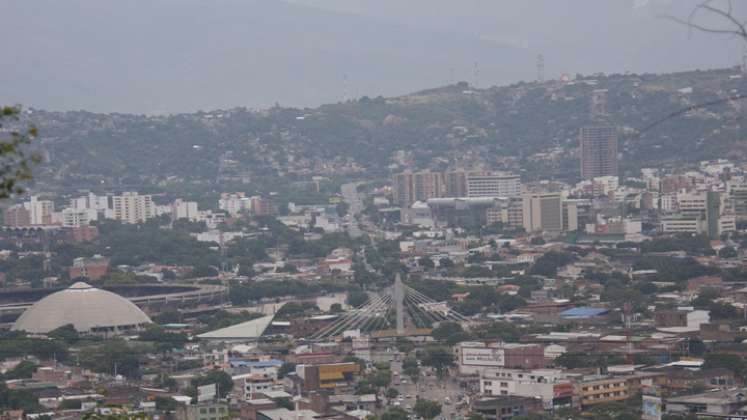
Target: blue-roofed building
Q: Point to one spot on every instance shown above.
(267, 368)
(584, 312)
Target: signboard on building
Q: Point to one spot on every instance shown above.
(562, 390)
(207, 392)
(483, 356)
(651, 408)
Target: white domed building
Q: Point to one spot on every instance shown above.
(88, 309)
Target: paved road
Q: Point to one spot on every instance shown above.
(431, 388)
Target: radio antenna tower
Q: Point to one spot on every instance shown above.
(345, 88)
(540, 68)
(476, 75)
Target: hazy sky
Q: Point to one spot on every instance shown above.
(154, 56)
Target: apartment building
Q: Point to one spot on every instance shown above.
(131, 207)
(550, 385)
(600, 389)
(598, 151)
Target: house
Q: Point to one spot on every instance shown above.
(718, 403)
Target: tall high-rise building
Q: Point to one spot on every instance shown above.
(598, 151)
(40, 211)
(738, 195)
(543, 211)
(130, 207)
(455, 183)
(410, 187)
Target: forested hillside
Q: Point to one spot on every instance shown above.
(530, 127)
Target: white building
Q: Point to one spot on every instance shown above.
(234, 203)
(74, 218)
(252, 383)
(550, 385)
(181, 209)
(493, 184)
(130, 207)
(475, 357)
(40, 211)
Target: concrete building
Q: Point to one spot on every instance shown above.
(506, 407)
(550, 385)
(131, 207)
(598, 151)
(40, 211)
(409, 187)
(234, 203)
(331, 376)
(74, 218)
(709, 212)
(601, 389)
(88, 309)
(206, 410)
(543, 211)
(720, 403)
(181, 209)
(492, 184)
(17, 216)
(91, 268)
(738, 195)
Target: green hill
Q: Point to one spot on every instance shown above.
(529, 127)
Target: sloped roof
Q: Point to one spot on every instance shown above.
(245, 330)
(583, 312)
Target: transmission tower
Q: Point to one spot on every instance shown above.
(476, 74)
(540, 68)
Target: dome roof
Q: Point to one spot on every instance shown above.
(84, 306)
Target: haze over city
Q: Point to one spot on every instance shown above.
(373, 209)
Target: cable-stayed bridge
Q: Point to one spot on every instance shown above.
(400, 309)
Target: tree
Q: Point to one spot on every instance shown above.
(537, 240)
(395, 413)
(729, 361)
(111, 357)
(547, 265)
(392, 393)
(357, 298)
(445, 262)
(66, 333)
(22, 370)
(426, 408)
(439, 358)
(727, 252)
(218, 377)
(15, 160)
(450, 332)
(165, 404)
(286, 368)
(410, 368)
(426, 263)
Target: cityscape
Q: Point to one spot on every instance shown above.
(564, 246)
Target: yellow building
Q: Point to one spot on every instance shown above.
(599, 390)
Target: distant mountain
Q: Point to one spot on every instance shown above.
(530, 128)
(164, 56)
(143, 56)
